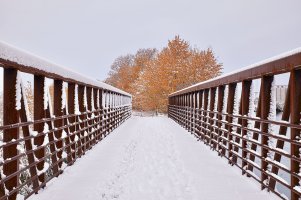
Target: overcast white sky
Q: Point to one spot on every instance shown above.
(88, 35)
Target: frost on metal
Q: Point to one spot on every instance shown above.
(85, 98)
(251, 112)
(76, 106)
(18, 91)
(225, 101)
(208, 107)
(92, 104)
(203, 107)
(92, 101)
(45, 95)
(97, 99)
(215, 107)
(272, 116)
(103, 99)
(108, 99)
(236, 106)
(63, 98)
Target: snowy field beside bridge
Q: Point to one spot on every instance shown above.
(151, 158)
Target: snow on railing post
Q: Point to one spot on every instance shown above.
(93, 116)
(295, 96)
(266, 85)
(82, 124)
(110, 110)
(237, 110)
(195, 111)
(105, 111)
(214, 120)
(72, 120)
(191, 111)
(245, 99)
(49, 125)
(25, 117)
(67, 155)
(205, 116)
(95, 106)
(220, 104)
(188, 104)
(39, 113)
(255, 134)
(88, 117)
(58, 111)
(78, 120)
(211, 115)
(101, 100)
(187, 111)
(282, 131)
(119, 110)
(200, 118)
(113, 110)
(182, 110)
(230, 108)
(10, 116)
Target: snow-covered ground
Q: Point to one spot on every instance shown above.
(151, 158)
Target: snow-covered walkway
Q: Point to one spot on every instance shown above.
(151, 158)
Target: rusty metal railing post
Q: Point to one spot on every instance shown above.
(211, 109)
(205, 117)
(88, 116)
(10, 116)
(39, 113)
(295, 108)
(266, 84)
(200, 123)
(71, 110)
(230, 107)
(82, 138)
(221, 90)
(245, 99)
(58, 111)
(195, 112)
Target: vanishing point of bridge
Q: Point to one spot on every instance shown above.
(79, 113)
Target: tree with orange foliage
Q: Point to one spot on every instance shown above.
(150, 75)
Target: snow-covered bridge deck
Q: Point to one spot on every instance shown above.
(151, 158)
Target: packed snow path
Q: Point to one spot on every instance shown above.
(151, 158)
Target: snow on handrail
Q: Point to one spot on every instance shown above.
(252, 68)
(28, 62)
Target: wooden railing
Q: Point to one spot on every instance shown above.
(79, 113)
(223, 113)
